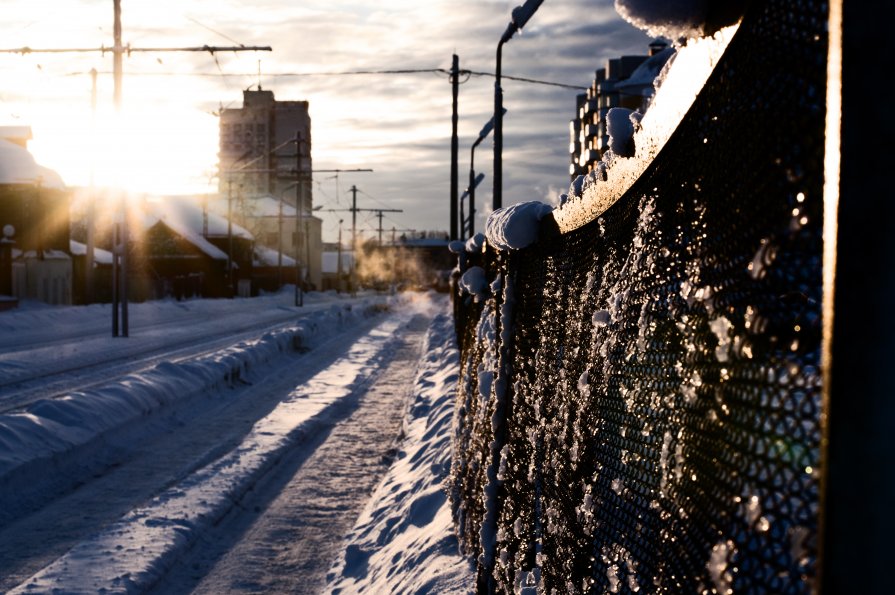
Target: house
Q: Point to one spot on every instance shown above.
(34, 214)
(273, 224)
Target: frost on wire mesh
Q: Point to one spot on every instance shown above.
(663, 394)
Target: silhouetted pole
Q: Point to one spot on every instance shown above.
(455, 84)
(520, 16)
(339, 261)
(497, 199)
(230, 235)
(115, 240)
(354, 218)
(299, 294)
(859, 335)
(473, 179)
(125, 324)
(117, 54)
(280, 244)
(91, 204)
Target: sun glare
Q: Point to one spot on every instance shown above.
(143, 148)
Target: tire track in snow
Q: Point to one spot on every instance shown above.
(180, 447)
(287, 544)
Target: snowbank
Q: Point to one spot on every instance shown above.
(403, 541)
(133, 553)
(47, 433)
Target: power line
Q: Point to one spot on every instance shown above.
(528, 80)
(347, 73)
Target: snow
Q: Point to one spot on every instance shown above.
(676, 19)
(403, 540)
(621, 131)
(100, 256)
(516, 226)
(644, 75)
(475, 243)
(17, 166)
(679, 82)
(137, 549)
(475, 283)
(270, 258)
(186, 216)
(457, 247)
(407, 519)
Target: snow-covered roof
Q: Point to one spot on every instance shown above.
(265, 257)
(100, 256)
(47, 254)
(257, 206)
(196, 239)
(185, 212)
(151, 216)
(644, 75)
(17, 166)
(16, 133)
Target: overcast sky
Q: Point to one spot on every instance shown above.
(399, 125)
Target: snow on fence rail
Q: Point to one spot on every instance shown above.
(640, 402)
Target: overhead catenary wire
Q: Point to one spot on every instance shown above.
(441, 71)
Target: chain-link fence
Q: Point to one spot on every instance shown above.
(640, 403)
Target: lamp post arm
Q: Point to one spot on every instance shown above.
(497, 199)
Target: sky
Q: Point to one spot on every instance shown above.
(165, 139)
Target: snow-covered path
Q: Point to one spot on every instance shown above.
(289, 547)
(133, 465)
(241, 469)
(46, 353)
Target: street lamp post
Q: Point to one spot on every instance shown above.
(520, 16)
(473, 180)
(468, 224)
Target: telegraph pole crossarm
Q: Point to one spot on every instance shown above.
(118, 50)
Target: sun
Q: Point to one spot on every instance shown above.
(156, 149)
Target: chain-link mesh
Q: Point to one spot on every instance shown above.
(662, 388)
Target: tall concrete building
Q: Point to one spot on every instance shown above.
(258, 152)
(624, 82)
(261, 162)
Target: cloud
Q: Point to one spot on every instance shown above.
(399, 125)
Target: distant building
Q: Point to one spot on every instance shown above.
(260, 162)
(624, 82)
(34, 224)
(258, 155)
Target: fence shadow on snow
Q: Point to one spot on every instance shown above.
(640, 403)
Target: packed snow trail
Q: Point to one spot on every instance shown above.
(286, 544)
(49, 352)
(134, 552)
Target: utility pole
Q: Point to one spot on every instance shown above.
(117, 55)
(91, 205)
(455, 88)
(339, 261)
(354, 219)
(299, 214)
(118, 50)
(380, 214)
(354, 211)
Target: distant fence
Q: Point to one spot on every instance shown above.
(640, 401)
